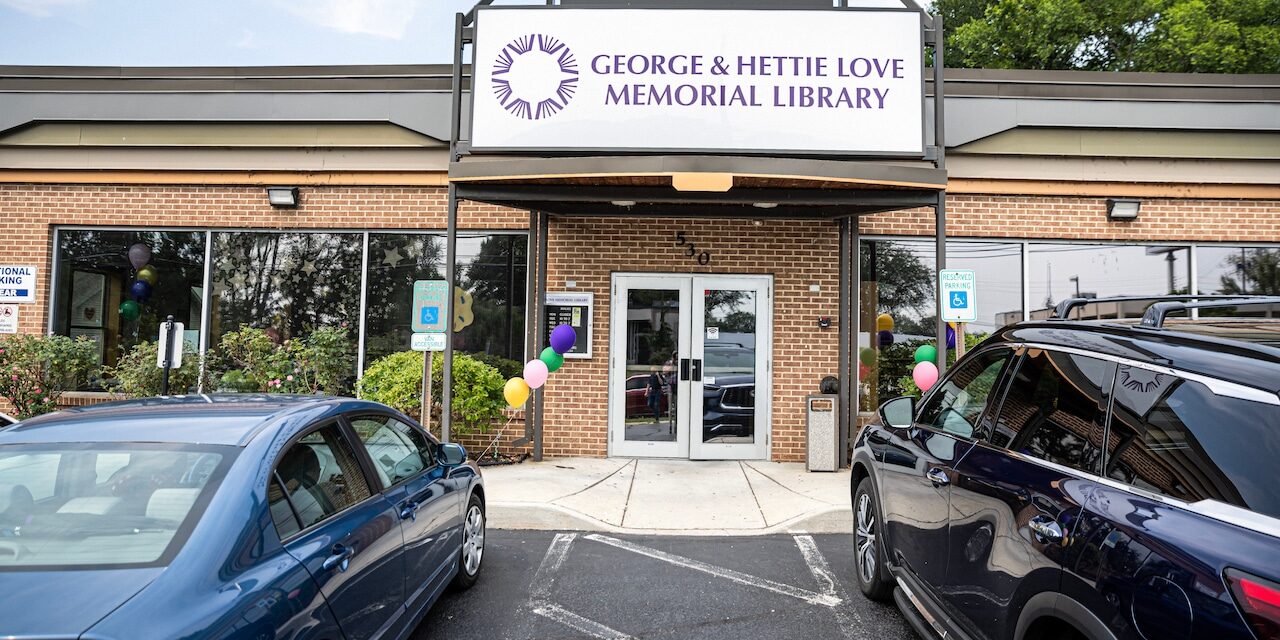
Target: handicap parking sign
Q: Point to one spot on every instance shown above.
(429, 315)
(959, 299)
(960, 288)
(428, 306)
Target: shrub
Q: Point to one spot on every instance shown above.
(396, 381)
(506, 367)
(320, 362)
(137, 376)
(36, 370)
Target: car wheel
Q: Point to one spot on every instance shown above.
(868, 556)
(471, 554)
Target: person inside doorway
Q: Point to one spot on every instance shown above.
(653, 393)
(671, 378)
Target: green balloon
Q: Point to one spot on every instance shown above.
(552, 359)
(926, 353)
(867, 356)
(129, 310)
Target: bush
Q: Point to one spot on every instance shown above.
(36, 370)
(506, 367)
(396, 381)
(137, 376)
(321, 362)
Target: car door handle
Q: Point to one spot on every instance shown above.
(340, 557)
(938, 477)
(1045, 529)
(409, 511)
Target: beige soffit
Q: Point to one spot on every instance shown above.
(1129, 143)
(217, 134)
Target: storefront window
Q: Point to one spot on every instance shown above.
(285, 283)
(1061, 271)
(1236, 271)
(490, 269)
(116, 287)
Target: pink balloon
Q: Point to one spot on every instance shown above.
(535, 373)
(925, 374)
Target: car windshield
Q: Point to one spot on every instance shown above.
(100, 504)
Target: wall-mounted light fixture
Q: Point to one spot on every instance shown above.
(1123, 208)
(624, 203)
(282, 196)
(765, 205)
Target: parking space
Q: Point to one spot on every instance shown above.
(540, 584)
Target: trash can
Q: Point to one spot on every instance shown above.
(822, 432)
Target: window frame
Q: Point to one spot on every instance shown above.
(344, 431)
(997, 394)
(363, 453)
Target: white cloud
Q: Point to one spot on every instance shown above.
(39, 8)
(248, 40)
(383, 18)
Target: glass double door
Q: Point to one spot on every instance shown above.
(690, 366)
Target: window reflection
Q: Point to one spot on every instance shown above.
(1061, 271)
(1239, 270)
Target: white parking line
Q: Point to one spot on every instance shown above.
(847, 617)
(556, 553)
(579, 623)
(824, 599)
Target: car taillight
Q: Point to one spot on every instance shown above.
(1259, 601)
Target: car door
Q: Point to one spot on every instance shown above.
(916, 469)
(1017, 495)
(405, 459)
(346, 534)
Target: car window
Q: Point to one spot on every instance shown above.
(1174, 437)
(1055, 409)
(398, 450)
(960, 400)
(637, 382)
(321, 477)
(36, 472)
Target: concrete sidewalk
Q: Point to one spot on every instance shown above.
(672, 497)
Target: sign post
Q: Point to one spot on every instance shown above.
(429, 327)
(166, 357)
(959, 291)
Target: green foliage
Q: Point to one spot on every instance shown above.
(137, 376)
(36, 370)
(1207, 36)
(506, 367)
(320, 362)
(396, 380)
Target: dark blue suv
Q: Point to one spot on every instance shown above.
(1094, 480)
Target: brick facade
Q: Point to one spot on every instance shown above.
(589, 250)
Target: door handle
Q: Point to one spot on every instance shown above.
(696, 376)
(938, 477)
(684, 368)
(1045, 529)
(340, 558)
(409, 511)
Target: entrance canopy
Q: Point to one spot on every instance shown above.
(699, 109)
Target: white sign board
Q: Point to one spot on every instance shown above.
(959, 290)
(9, 318)
(163, 348)
(17, 283)
(427, 342)
(844, 82)
(573, 308)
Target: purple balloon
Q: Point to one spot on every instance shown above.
(562, 338)
(139, 255)
(886, 338)
(140, 290)
(951, 338)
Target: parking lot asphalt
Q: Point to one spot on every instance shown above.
(546, 584)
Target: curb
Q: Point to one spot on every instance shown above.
(553, 517)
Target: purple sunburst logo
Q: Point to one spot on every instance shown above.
(535, 76)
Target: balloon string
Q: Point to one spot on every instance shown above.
(510, 419)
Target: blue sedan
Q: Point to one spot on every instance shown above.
(231, 517)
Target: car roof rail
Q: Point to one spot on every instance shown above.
(1064, 308)
(1155, 315)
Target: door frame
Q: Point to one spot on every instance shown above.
(617, 446)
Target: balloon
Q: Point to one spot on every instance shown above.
(884, 322)
(926, 353)
(925, 375)
(867, 356)
(552, 359)
(149, 274)
(535, 373)
(129, 310)
(516, 391)
(562, 338)
(139, 255)
(140, 290)
(886, 338)
(951, 338)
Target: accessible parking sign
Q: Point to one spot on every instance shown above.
(429, 306)
(959, 291)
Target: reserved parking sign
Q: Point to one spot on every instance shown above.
(959, 290)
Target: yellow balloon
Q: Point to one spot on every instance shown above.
(516, 391)
(149, 274)
(884, 322)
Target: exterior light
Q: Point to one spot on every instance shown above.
(765, 205)
(1123, 208)
(282, 196)
(624, 203)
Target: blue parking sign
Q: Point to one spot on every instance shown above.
(429, 300)
(430, 315)
(959, 299)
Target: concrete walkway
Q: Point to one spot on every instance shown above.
(668, 497)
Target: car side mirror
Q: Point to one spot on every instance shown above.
(452, 454)
(898, 413)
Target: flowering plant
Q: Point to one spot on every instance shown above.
(322, 361)
(35, 370)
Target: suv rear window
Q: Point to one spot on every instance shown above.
(1175, 437)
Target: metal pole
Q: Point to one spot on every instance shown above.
(168, 355)
(940, 209)
(450, 269)
(855, 324)
(428, 359)
(847, 380)
(544, 229)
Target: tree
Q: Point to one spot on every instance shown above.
(1260, 269)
